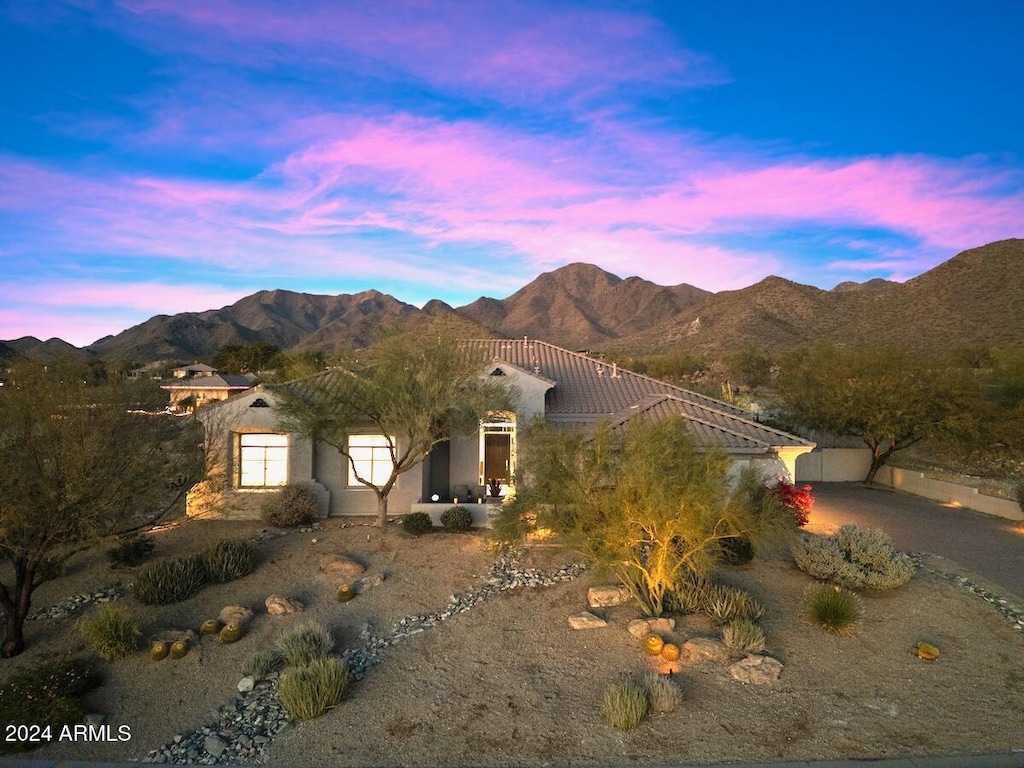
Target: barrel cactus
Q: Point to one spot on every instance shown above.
(179, 648)
(159, 649)
(231, 633)
(209, 627)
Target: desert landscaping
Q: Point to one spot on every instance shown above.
(468, 663)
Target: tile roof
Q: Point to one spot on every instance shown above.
(215, 381)
(588, 390)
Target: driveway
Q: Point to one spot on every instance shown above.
(990, 546)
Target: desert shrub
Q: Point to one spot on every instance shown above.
(170, 581)
(310, 690)
(292, 505)
(736, 550)
(417, 523)
(47, 694)
(625, 705)
(229, 560)
(797, 499)
(743, 636)
(663, 695)
(686, 596)
(130, 551)
(457, 519)
(304, 643)
(262, 663)
(855, 558)
(832, 608)
(724, 604)
(110, 630)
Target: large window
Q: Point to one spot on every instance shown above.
(371, 459)
(262, 460)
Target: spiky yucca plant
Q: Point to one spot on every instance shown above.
(229, 560)
(743, 636)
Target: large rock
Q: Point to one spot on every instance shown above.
(756, 670)
(607, 597)
(705, 649)
(586, 620)
(235, 614)
(342, 565)
(282, 606)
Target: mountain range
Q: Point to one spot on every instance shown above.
(975, 298)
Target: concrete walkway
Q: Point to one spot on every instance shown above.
(989, 546)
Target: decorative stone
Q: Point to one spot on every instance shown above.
(235, 614)
(756, 670)
(341, 565)
(607, 597)
(369, 582)
(640, 628)
(586, 620)
(246, 684)
(705, 649)
(215, 746)
(282, 606)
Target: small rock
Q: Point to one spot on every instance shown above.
(607, 597)
(95, 719)
(215, 746)
(235, 614)
(586, 620)
(246, 684)
(282, 606)
(369, 582)
(756, 670)
(705, 649)
(341, 565)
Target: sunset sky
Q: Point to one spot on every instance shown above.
(161, 156)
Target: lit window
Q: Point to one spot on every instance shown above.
(262, 460)
(371, 459)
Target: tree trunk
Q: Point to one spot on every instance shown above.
(16, 611)
(878, 458)
(382, 510)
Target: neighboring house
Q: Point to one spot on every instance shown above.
(250, 454)
(197, 385)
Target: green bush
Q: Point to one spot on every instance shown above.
(262, 663)
(304, 643)
(310, 690)
(724, 604)
(47, 694)
(663, 695)
(417, 523)
(457, 519)
(229, 560)
(292, 505)
(686, 597)
(832, 608)
(625, 705)
(856, 558)
(743, 636)
(110, 630)
(130, 551)
(170, 581)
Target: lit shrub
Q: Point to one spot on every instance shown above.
(130, 551)
(229, 560)
(310, 690)
(110, 630)
(170, 581)
(292, 505)
(417, 523)
(832, 608)
(457, 519)
(856, 558)
(304, 643)
(625, 705)
(743, 636)
(663, 695)
(797, 499)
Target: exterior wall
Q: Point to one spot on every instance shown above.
(531, 391)
(833, 465)
(482, 513)
(465, 466)
(332, 472)
(948, 493)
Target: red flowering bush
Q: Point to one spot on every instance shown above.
(797, 499)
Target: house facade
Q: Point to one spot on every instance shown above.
(251, 455)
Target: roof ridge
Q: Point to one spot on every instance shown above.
(657, 399)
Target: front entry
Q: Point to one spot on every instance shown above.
(497, 457)
(498, 453)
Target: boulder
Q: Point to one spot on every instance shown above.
(607, 597)
(235, 614)
(341, 565)
(756, 670)
(282, 606)
(705, 649)
(586, 620)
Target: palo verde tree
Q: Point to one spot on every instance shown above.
(413, 391)
(78, 462)
(890, 399)
(644, 502)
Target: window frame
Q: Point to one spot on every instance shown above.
(374, 459)
(272, 459)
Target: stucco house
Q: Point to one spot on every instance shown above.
(194, 386)
(252, 455)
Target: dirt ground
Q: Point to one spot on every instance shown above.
(509, 683)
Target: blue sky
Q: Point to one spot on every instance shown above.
(160, 156)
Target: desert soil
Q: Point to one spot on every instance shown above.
(509, 683)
